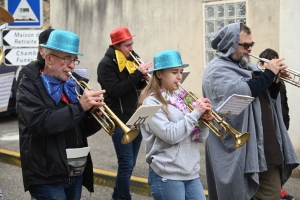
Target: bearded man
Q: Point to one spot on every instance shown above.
(259, 168)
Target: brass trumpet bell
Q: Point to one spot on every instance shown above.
(240, 139)
(1, 55)
(110, 120)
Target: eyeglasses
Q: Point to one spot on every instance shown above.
(246, 45)
(67, 60)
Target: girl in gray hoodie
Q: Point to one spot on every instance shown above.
(171, 136)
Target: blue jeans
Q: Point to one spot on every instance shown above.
(70, 190)
(162, 188)
(126, 154)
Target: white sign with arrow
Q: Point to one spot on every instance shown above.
(21, 38)
(20, 56)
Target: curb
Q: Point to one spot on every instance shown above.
(102, 177)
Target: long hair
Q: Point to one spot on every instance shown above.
(153, 86)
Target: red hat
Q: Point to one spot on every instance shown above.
(119, 35)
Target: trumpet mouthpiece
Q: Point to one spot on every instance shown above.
(70, 73)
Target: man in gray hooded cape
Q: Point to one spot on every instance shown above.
(238, 173)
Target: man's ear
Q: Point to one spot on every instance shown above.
(117, 46)
(48, 58)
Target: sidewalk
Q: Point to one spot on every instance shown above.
(105, 162)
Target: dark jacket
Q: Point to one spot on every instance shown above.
(284, 106)
(45, 128)
(122, 88)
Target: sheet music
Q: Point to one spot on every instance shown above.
(6, 81)
(235, 104)
(81, 72)
(78, 152)
(184, 75)
(143, 114)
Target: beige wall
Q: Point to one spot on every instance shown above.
(289, 49)
(175, 24)
(158, 26)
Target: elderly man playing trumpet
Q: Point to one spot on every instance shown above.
(52, 120)
(258, 169)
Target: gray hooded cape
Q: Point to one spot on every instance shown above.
(233, 173)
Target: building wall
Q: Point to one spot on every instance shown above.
(289, 45)
(170, 24)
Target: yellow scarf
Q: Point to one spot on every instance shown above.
(123, 62)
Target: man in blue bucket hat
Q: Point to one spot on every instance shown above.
(52, 119)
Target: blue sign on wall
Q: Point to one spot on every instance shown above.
(27, 13)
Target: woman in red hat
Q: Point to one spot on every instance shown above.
(123, 80)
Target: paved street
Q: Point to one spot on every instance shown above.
(103, 156)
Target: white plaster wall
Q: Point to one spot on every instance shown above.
(289, 49)
(158, 25)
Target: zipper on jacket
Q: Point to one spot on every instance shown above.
(121, 105)
(77, 136)
(136, 91)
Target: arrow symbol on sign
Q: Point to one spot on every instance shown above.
(21, 38)
(20, 56)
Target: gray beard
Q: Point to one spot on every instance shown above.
(243, 62)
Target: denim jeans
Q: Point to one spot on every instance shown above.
(70, 190)
(162, 188)
(126, 155)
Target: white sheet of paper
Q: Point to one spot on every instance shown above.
(184, 75)
(143, 114)
(81, 71)
(235, 104)
(78, 152)
(6, 81)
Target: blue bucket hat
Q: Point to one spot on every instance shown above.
(167, 59)
(64, 41)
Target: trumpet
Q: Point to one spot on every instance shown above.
(295, 74)
(240, 139)
(138, 61)
(1, 54)
(110, 120)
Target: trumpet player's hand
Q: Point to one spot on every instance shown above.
(207, 116)
(203, 104)
(91, 98)
(144, 68)
(276, 66)
(285, 74)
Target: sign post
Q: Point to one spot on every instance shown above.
(27, 13)
(21, 38)
(20, 56)
(21, 46)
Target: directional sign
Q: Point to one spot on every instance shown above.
(21, 38)
(20, 56)
(27, 13)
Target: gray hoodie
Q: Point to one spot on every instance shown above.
(169, 146)
(233, 173)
